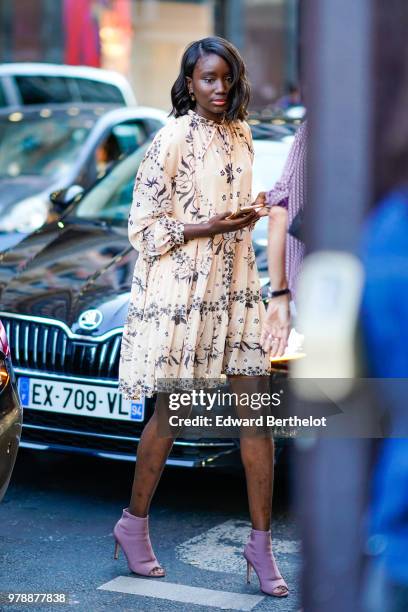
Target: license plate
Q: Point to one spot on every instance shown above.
(78, 399)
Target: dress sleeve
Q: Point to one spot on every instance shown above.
(279, 194)
(152, 227)
(247, 135)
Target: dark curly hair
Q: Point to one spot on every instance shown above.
(239, 93)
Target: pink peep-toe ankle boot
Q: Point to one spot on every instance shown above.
(258, 554)
(131, 533)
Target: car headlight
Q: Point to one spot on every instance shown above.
(4, 373)
(26, 216)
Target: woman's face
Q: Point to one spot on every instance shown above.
(211, 83)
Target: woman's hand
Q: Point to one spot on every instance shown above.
(260, 199)
(260, 202)
(276, 327)
(219, 224)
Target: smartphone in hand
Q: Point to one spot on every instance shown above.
(242, 212)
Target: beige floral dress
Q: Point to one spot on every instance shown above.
(195, 309)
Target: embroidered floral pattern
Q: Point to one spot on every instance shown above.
(195, 310)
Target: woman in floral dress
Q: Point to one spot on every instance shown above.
(195, 309)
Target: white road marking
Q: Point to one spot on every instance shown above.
(220, 548)
(171, 591)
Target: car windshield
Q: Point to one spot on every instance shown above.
(110, 199)
(44, 144)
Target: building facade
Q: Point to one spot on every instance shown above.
(144, 39)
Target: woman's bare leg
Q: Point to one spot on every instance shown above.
(154, 447)
(257, 454)
(152, 454)
(257, 458)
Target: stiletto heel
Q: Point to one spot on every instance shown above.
(249, 570)
(131, 534)
(259, 556)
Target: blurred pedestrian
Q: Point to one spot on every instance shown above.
(285, 203)
(291, 98)
(196, 311)
(385, 307)
(385, 322)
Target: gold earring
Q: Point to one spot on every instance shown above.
(192, 96)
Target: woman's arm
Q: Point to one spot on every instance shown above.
(152, 228)
(276, 327)
(279, 193)
(277, 232)
(219, 224)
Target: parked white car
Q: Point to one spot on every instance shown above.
(41, 83)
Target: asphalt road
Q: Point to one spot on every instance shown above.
(56, 536)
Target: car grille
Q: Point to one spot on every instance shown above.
(47, 347)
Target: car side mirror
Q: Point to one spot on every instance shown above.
(62, 198)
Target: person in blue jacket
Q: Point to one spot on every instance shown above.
(385, 323)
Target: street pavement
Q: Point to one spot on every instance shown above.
(56, 536)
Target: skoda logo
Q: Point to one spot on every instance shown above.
(90, 319)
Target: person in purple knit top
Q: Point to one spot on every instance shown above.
(284, 204)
